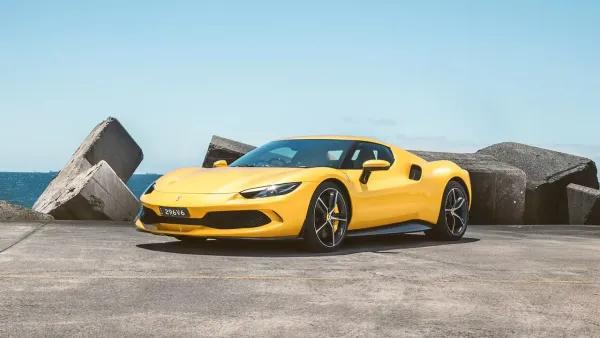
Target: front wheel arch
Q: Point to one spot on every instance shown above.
(332, 182)
(346, 193)
(344, 189)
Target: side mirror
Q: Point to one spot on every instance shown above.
(370, 166)
(219, 164)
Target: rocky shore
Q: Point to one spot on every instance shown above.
(512, 183)
(10, 212)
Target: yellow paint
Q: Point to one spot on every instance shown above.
(376, 164)
(388, 197)
(220, 163)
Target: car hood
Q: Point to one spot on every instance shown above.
(225, 179)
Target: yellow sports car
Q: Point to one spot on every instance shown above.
(318, 188)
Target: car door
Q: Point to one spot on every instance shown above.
(387, 197)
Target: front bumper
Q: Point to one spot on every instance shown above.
(285, 214)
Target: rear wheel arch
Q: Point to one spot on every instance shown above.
(451, 173)
(442, 230)
(464, 185)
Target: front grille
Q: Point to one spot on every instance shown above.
(215, 219)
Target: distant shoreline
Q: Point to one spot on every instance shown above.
(56, 172)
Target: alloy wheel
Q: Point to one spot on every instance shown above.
(456, 211)
(330, 217)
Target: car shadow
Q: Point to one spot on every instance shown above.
(294, 248)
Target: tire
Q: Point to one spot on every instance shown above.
(318, 227)
(453, 219)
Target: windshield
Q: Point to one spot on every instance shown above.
(309, 153)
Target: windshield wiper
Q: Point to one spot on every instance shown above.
(245, 165)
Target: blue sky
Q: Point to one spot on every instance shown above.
(434, 75)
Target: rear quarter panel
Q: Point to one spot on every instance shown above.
(435, 177)
(428, 191)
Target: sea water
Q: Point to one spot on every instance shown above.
(24, 188)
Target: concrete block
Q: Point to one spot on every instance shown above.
(96, 194)
(221, 148)
(109, 142)
(12, 212)
(584, 205)
(498, 188)
(548, 174)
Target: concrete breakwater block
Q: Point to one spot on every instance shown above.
(109, 142)
(498, 188)
(13, 212)
(584, 205)
(96, 194)
(221, 148)
(548, 174)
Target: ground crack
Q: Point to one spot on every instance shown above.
(24, 237)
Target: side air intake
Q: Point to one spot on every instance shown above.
(415, 172)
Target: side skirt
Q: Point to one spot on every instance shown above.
(396, 228)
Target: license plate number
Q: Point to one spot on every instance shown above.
(174, 212)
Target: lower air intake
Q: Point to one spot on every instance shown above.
(235, 219)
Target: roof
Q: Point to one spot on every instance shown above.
(333, 137)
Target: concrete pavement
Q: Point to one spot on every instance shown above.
(93, 279)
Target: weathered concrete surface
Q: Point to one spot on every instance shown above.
(221, 148)
(90, 279)
(548, 174)
(12, 233)
(13, 212)
(108, 141)
(584, 205)
(498, 188)
(97, 194)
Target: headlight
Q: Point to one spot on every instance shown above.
(271, 190)
(149, 189)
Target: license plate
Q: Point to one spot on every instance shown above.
(174, 212)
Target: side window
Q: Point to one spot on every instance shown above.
(369, 151)
(383, 153)
(334, 155)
